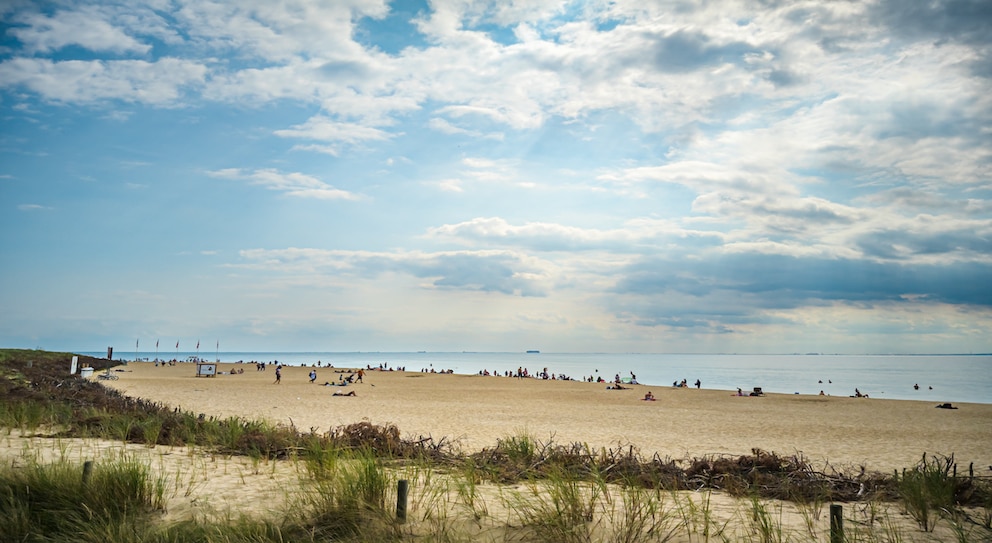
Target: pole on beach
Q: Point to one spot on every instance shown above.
(402, 489)
(836, 523)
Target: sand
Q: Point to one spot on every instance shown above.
(474, 411)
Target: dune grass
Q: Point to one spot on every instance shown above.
(49, 502)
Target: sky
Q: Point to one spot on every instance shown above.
(569, 176)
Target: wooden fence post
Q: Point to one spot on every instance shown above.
(402, 489)
(87, 471)
(836, 523)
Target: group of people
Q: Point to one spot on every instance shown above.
(685, 384)
(354, 377)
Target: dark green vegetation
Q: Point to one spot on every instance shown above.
(570, 492)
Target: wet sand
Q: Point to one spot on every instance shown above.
(474, 411)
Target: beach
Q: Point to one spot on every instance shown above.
(474, 411)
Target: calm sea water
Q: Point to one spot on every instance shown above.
(953, 378)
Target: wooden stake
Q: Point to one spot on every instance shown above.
(402, 489)
(836, 523)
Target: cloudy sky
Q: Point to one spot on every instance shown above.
(610, 176)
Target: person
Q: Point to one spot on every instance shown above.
(739, 391)
(822, 394)
(698, 383)
(278, 375)
(349, 393)
(313, 376)
(649, 397)
(361, 373)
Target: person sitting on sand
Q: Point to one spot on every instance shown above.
(649, 397)
(350, 393)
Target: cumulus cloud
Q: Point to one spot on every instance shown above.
(78, 81)
(86, 27)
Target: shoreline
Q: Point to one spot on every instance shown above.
(475, 411)
(926, 378)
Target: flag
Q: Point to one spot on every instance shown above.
(156, 344)
(218, 344)
(177, 344)
(136, 344)
(197, 345)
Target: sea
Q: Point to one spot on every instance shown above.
(931, 378)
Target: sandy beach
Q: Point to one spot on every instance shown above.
(474, 411)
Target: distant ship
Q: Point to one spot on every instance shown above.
(534, 352)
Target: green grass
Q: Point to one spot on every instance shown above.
(45, 502)
(928, 491)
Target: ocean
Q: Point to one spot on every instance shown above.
(941, 378)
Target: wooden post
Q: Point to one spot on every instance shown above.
(402, 489)
(971, 470)
(87, 471)
(836, 523)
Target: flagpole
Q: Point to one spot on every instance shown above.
(217, 353)
(136, 349)
(156, 350)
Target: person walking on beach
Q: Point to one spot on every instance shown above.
(278, 375)
(313, 376)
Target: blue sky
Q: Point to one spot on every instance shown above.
(615, 176)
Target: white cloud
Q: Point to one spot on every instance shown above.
(445, 127)
(322, 128)
(77, 81)
(447, 185)
(636, 236)
(292, 184)
(87, 27)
